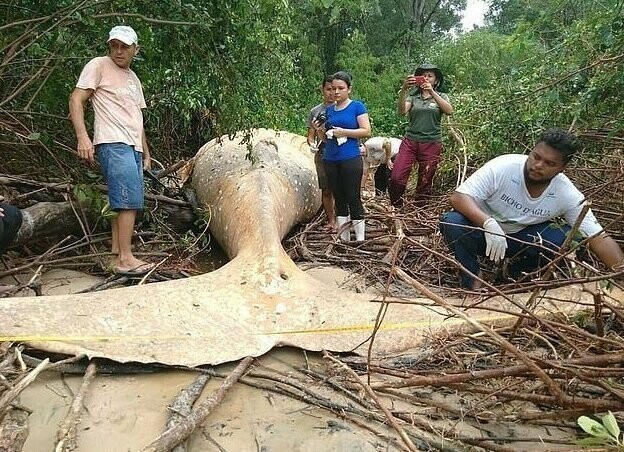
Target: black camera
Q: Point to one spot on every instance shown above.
(321, 118)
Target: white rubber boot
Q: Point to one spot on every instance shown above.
(360, 227)
(345, 235)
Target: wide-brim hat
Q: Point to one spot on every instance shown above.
(424, 67)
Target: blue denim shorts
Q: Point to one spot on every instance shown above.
(122, 168)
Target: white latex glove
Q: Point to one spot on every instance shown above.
(340, 140)
(496, 243)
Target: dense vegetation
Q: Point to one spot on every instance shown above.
(210, 68)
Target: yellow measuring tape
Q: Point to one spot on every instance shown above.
(340, 329)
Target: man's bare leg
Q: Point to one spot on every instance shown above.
(124, 228)
(115, 237)
(327, 199)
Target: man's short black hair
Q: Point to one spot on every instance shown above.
(564, 142)
(327, 79)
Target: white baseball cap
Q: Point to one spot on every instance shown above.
(123, 33)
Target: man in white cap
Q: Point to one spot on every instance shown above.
(118, 137)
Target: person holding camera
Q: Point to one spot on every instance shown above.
(316, 119)
(422, 143)
(347, 122)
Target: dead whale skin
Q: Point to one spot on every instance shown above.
(258, 187)
(259, 300)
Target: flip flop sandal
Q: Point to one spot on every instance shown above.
(141, 270)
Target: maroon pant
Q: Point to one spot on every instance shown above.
(427, 154)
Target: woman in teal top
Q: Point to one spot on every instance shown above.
(422, 142)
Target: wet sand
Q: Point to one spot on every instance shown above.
(125, 413)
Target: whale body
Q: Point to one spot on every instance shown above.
(255, 187)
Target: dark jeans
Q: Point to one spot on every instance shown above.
(467, 244)
(9, 225)
(345, 177)
(382, 176)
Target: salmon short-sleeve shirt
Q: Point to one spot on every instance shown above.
(117, 102)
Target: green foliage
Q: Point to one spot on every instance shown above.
(212, 68)
(94, 200)
(552, 67)
(374, 82)
(603, 433)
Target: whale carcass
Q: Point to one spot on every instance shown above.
(257, 187)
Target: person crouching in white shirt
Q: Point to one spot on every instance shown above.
(507, 208)
(378, 161)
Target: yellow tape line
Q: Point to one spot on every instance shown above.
(344, 329)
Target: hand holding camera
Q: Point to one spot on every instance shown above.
(419, 80)
(320, 121)
(413, 81)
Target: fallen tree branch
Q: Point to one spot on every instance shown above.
(393, 422)
(66, 435)
(505, 344)
(174, 436)
(15, 391)
(182, 406)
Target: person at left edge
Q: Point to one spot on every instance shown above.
(118, 137)
(10, 222)
(347, 122)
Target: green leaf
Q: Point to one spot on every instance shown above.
(33, 136)
(611, 424)
(107, 212)
(590, 441)
(593, 427)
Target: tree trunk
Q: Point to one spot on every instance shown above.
(45, 220)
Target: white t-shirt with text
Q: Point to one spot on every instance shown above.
(500, 190)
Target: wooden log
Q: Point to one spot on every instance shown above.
(57, 219)
(172, 437)
(182, 406)
(13, 430)
(66, 434)
(46, 220)
(10, 395)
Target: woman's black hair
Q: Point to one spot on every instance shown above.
(344, 76)
(566, 143)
